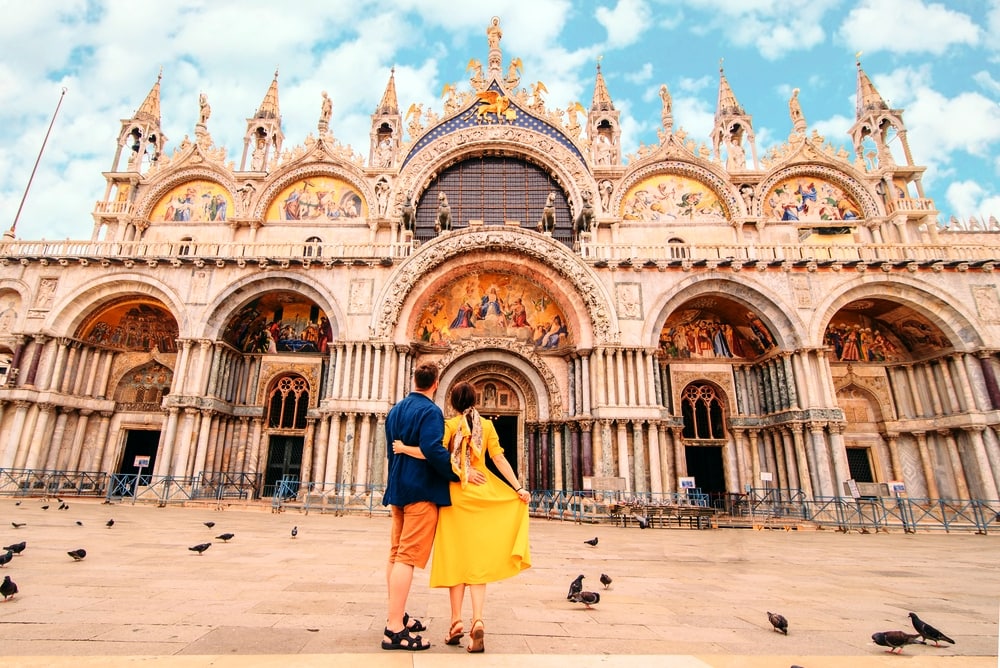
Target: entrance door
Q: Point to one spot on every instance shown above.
(704, 463)
(506, 426)
(139, 443)
(284, 458)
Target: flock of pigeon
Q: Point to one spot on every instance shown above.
(8, 588)
(894, 640)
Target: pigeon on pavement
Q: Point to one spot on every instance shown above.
(605, 580)
(210, 524)
(6, 557)
(643, 521)
(77, 554)
(79, 523)
(45, 507)
(18, 525)
(575, 587)
(778, 622)
(225, 537)
(8, 587)
(928, 632)
(295, 531)
(17, 548)
(592, 541)
(895, 640)
(201, 547)
(588, 598)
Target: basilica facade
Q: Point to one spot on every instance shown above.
(696, 314)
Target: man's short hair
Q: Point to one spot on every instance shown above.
(424, 376)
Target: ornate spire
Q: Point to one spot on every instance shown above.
(389, 103)
(149, 110)
(269, 107)
(727, 105)
(602, 100)
(868, 98)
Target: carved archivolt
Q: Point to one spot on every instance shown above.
(722, 189)
(510, 376)
(509, 241)
(269, 371)
(566, 166)
(522, 350)
(876, 386)
(869, 207)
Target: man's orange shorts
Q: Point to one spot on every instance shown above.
(413, 527)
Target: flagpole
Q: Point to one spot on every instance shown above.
(13, 227)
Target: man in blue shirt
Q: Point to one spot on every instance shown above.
(414, 490)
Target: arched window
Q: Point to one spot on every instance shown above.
(185, 246)
(677, 252)
(702, 411)
(288, 403)
(313, 247)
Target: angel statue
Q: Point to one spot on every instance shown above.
(513, 73)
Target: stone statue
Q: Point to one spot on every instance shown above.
(548, 221)
(494, 33)
(409, 214)
(443, 221)
(585, 220)
(666, 114)
(325, 110)
(795, 111)
(204, 109)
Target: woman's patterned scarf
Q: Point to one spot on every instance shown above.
(465, 442)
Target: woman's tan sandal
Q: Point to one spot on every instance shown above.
(478, 631)
(455, 633)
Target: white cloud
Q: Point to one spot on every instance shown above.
(642, 75)
(625, 23)
(907, 26)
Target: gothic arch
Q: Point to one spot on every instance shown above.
(398, 290)
(718, 185)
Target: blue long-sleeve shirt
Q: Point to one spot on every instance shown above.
(416, 420)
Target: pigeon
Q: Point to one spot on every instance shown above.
(588, 598)
(200, 548)
(6, 557)
(575, 587)
(17, 525)
(778, 622)
(110, 523)
(605, 580)
(17, 548)
(592, 541)
(79, 523)
(210, 524)
(642, 520)
(895, 639)
(45, 507)
(77, 554)
(295, 532)
(17, 503)
(928, 632)
(8, 587)
(225, 537)
(63, 506)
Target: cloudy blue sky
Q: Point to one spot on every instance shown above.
(936, 60)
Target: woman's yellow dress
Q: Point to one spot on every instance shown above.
(483, 535)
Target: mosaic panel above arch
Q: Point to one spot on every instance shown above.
(194, 201)
(131, 324)
(317, 197)
(880, 330)
(279, 321)
(809, 198)
(492, 304)
(712, 327)
(671, 197)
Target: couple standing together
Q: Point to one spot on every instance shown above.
(441, 495)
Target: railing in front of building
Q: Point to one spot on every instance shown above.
(636, 255)
(759, 508)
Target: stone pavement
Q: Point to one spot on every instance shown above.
(680, 597)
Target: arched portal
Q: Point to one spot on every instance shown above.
(286, 404)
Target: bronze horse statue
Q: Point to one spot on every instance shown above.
(443, 221)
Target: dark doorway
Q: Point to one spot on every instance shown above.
(284, 458)
(704, 463)
(506, 426)
(139, 443)
(860, 464)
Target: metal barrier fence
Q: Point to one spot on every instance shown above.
(865, 514)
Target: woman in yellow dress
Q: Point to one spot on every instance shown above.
(483, 535)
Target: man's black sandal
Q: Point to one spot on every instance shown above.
(403, 640)
(417, 626)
